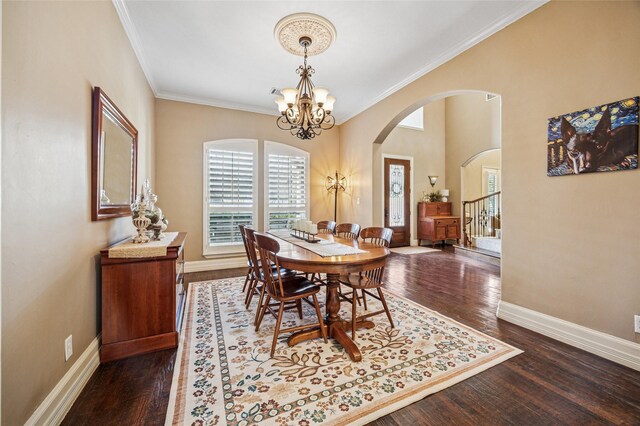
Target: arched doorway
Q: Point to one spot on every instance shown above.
(481, 185)
(456, 125)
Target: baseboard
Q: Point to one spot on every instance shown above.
(605, 345)
(215, 264)
(59, 401)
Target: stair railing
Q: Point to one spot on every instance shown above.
(481, 217)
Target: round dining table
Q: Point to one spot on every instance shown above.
(293, 256)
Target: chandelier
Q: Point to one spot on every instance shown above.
(306, 110)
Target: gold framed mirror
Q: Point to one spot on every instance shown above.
(114, 160)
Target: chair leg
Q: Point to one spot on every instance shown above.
(246, 280)
(319, 314)
(263, 309)
(364, 299)
(353, 316)
(386, 308)
(299, 306)
(250, 291)
(277, 330)
(255, 320)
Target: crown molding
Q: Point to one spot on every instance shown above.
(134, 40)
(487, 32)
(216, 103)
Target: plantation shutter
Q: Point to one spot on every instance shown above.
(287, 189)
(230, 195)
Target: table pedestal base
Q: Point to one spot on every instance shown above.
(337, 328)
(339, 331)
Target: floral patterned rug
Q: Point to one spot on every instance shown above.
(224, 376)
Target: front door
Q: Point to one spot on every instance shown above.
(397, 202)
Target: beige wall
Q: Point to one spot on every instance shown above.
(471, 174)
(427, 149)
(472, 126)
(53, 54)
(181, 130)
(572, 242)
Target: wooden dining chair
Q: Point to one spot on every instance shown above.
(368, 281)
(326, 227)
(282, 290)
(257, 285)
(348, 230)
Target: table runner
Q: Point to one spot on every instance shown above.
(128, 249)
(323, 248)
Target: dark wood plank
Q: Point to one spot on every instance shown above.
(551, 383)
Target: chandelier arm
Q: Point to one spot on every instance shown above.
(281, 122)
(328, 122)
(320, 115)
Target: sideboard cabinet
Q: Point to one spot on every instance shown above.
(142, 302)
(435, 223)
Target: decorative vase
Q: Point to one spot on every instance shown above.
(145, 205)
(141, 222)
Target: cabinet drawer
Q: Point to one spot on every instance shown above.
(446, 222)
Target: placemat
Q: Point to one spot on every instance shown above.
(128, 249)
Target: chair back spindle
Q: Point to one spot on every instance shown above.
(348, 230)
(326, 227)
(267, 249)
(378, 236)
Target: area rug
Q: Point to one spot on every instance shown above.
(223, 374)
(414, 250)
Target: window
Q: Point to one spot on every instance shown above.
(229, 193)
(414, 121)
(491, 185)
(287, 184)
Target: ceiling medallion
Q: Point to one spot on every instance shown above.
(291, 28)
(306, 110)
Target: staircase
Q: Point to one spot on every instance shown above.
(481, 228)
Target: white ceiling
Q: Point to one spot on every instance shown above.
(223, 53)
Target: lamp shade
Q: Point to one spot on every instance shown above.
(282, 105)
(328, 104)
(320, 94)
(433, 180)
(444, 192)
(289, 95)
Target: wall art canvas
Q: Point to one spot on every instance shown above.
(599, 139)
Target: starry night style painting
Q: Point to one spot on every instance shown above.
(598, 139)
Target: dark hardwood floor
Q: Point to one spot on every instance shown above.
(550, 383)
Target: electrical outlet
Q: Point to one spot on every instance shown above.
(637, 323)
(68, 347)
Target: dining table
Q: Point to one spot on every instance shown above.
(295, 255)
